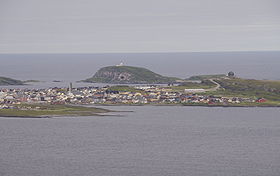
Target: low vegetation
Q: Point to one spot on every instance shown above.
(206, 77)
(249, 87)
(205, 84)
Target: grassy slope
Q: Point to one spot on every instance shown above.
(251, 88)
(9, 81)
(206, 84)
(139, 75)
(52, 110)
(237, 87)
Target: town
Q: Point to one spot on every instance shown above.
(109, 95)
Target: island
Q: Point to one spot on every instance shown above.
(121, 74)
(4, 81)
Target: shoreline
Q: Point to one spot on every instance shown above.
(108, 111)
(49, 117)
(193, 105)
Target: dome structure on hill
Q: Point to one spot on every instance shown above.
(231, 74)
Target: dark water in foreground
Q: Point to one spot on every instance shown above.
(149, 141)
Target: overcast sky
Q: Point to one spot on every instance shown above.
(100, 26)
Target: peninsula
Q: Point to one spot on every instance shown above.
(39, 110)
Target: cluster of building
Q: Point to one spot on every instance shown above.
(105, 95)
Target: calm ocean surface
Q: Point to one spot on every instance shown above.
(151, 140)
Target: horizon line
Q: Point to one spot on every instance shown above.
(152, 52)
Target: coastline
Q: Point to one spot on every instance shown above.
(94, 110)
(195, 105)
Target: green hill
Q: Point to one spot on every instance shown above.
(234, 86)
(250, 87)
(9, 81)
(129, 75)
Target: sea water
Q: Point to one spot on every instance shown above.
(151, 140)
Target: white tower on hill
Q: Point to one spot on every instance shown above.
(121, 64)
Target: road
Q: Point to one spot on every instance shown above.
(218, 86)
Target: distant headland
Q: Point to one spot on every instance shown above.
(121, 74)
(4, 81)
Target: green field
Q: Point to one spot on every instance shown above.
(250, 88)
(206, 84)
